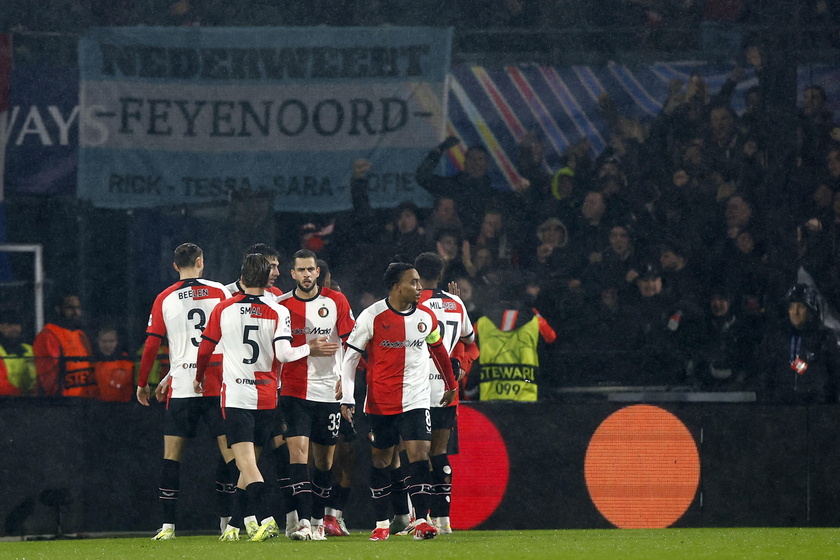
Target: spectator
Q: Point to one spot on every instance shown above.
(681, 277)
(113, 369)
(657, 333)
(816, 122)
(405, 239)
(723, 145)
(470, 189)
(591, 232)
(753, 121)
(63, 353)
(17, 366)
(741, 266)
(722, 346)
(508, 335)
(819, 240)
(493, 235)
(553, 256)
(444, 216)
(618, 263)
(800, 359)
(448, 245)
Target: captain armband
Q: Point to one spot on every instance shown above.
(434, 336)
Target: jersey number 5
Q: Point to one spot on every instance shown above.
(252, 343)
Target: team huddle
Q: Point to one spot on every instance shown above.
(276, 372)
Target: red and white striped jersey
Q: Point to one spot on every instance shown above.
(328, 315)
(397, 358)
(179, 315)
(454, 325)
(245, 327)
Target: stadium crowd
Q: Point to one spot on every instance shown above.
(662, 261)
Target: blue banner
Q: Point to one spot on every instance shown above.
(41, 131)
(185, 116)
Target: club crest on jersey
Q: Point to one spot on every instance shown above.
(421, 326)
(323, 312)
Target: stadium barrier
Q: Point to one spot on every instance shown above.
(74, 466)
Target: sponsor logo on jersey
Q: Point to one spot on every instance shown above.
(442, 305)
(323, 312)
(402, 343)
(253, 311)
(193, 293)
(188, 366)
(321, 331)
(421, 326)
(240, 381)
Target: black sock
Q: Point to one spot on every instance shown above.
(442, 479)
(169, 489)
(224, 487)
(301, 490)
(380, 490)
(399, 491)
(321, 490)
(238, 503)
(419, 487)
(281, 466)
(339, 497)
(256, 500)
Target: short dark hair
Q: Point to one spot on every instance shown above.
(429, 265)
(186, 254)
(262, 249)
(325, 270)
(394, 273)
(305, 254)
(255, 270)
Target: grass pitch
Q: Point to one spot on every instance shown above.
(665, 544)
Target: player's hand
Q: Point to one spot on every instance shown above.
(198, 386)
(143, 395)
(453, 288)
(360, 168)
(347, 412)
(162, 389)
(320, 347)
(450, 142)
(521, 185)
(448, 397)
(339, 392)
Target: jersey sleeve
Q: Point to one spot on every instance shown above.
(467, 332)
(283, 328)
(362, 332)
(213, 329)
(345, 322)
(157, 326)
